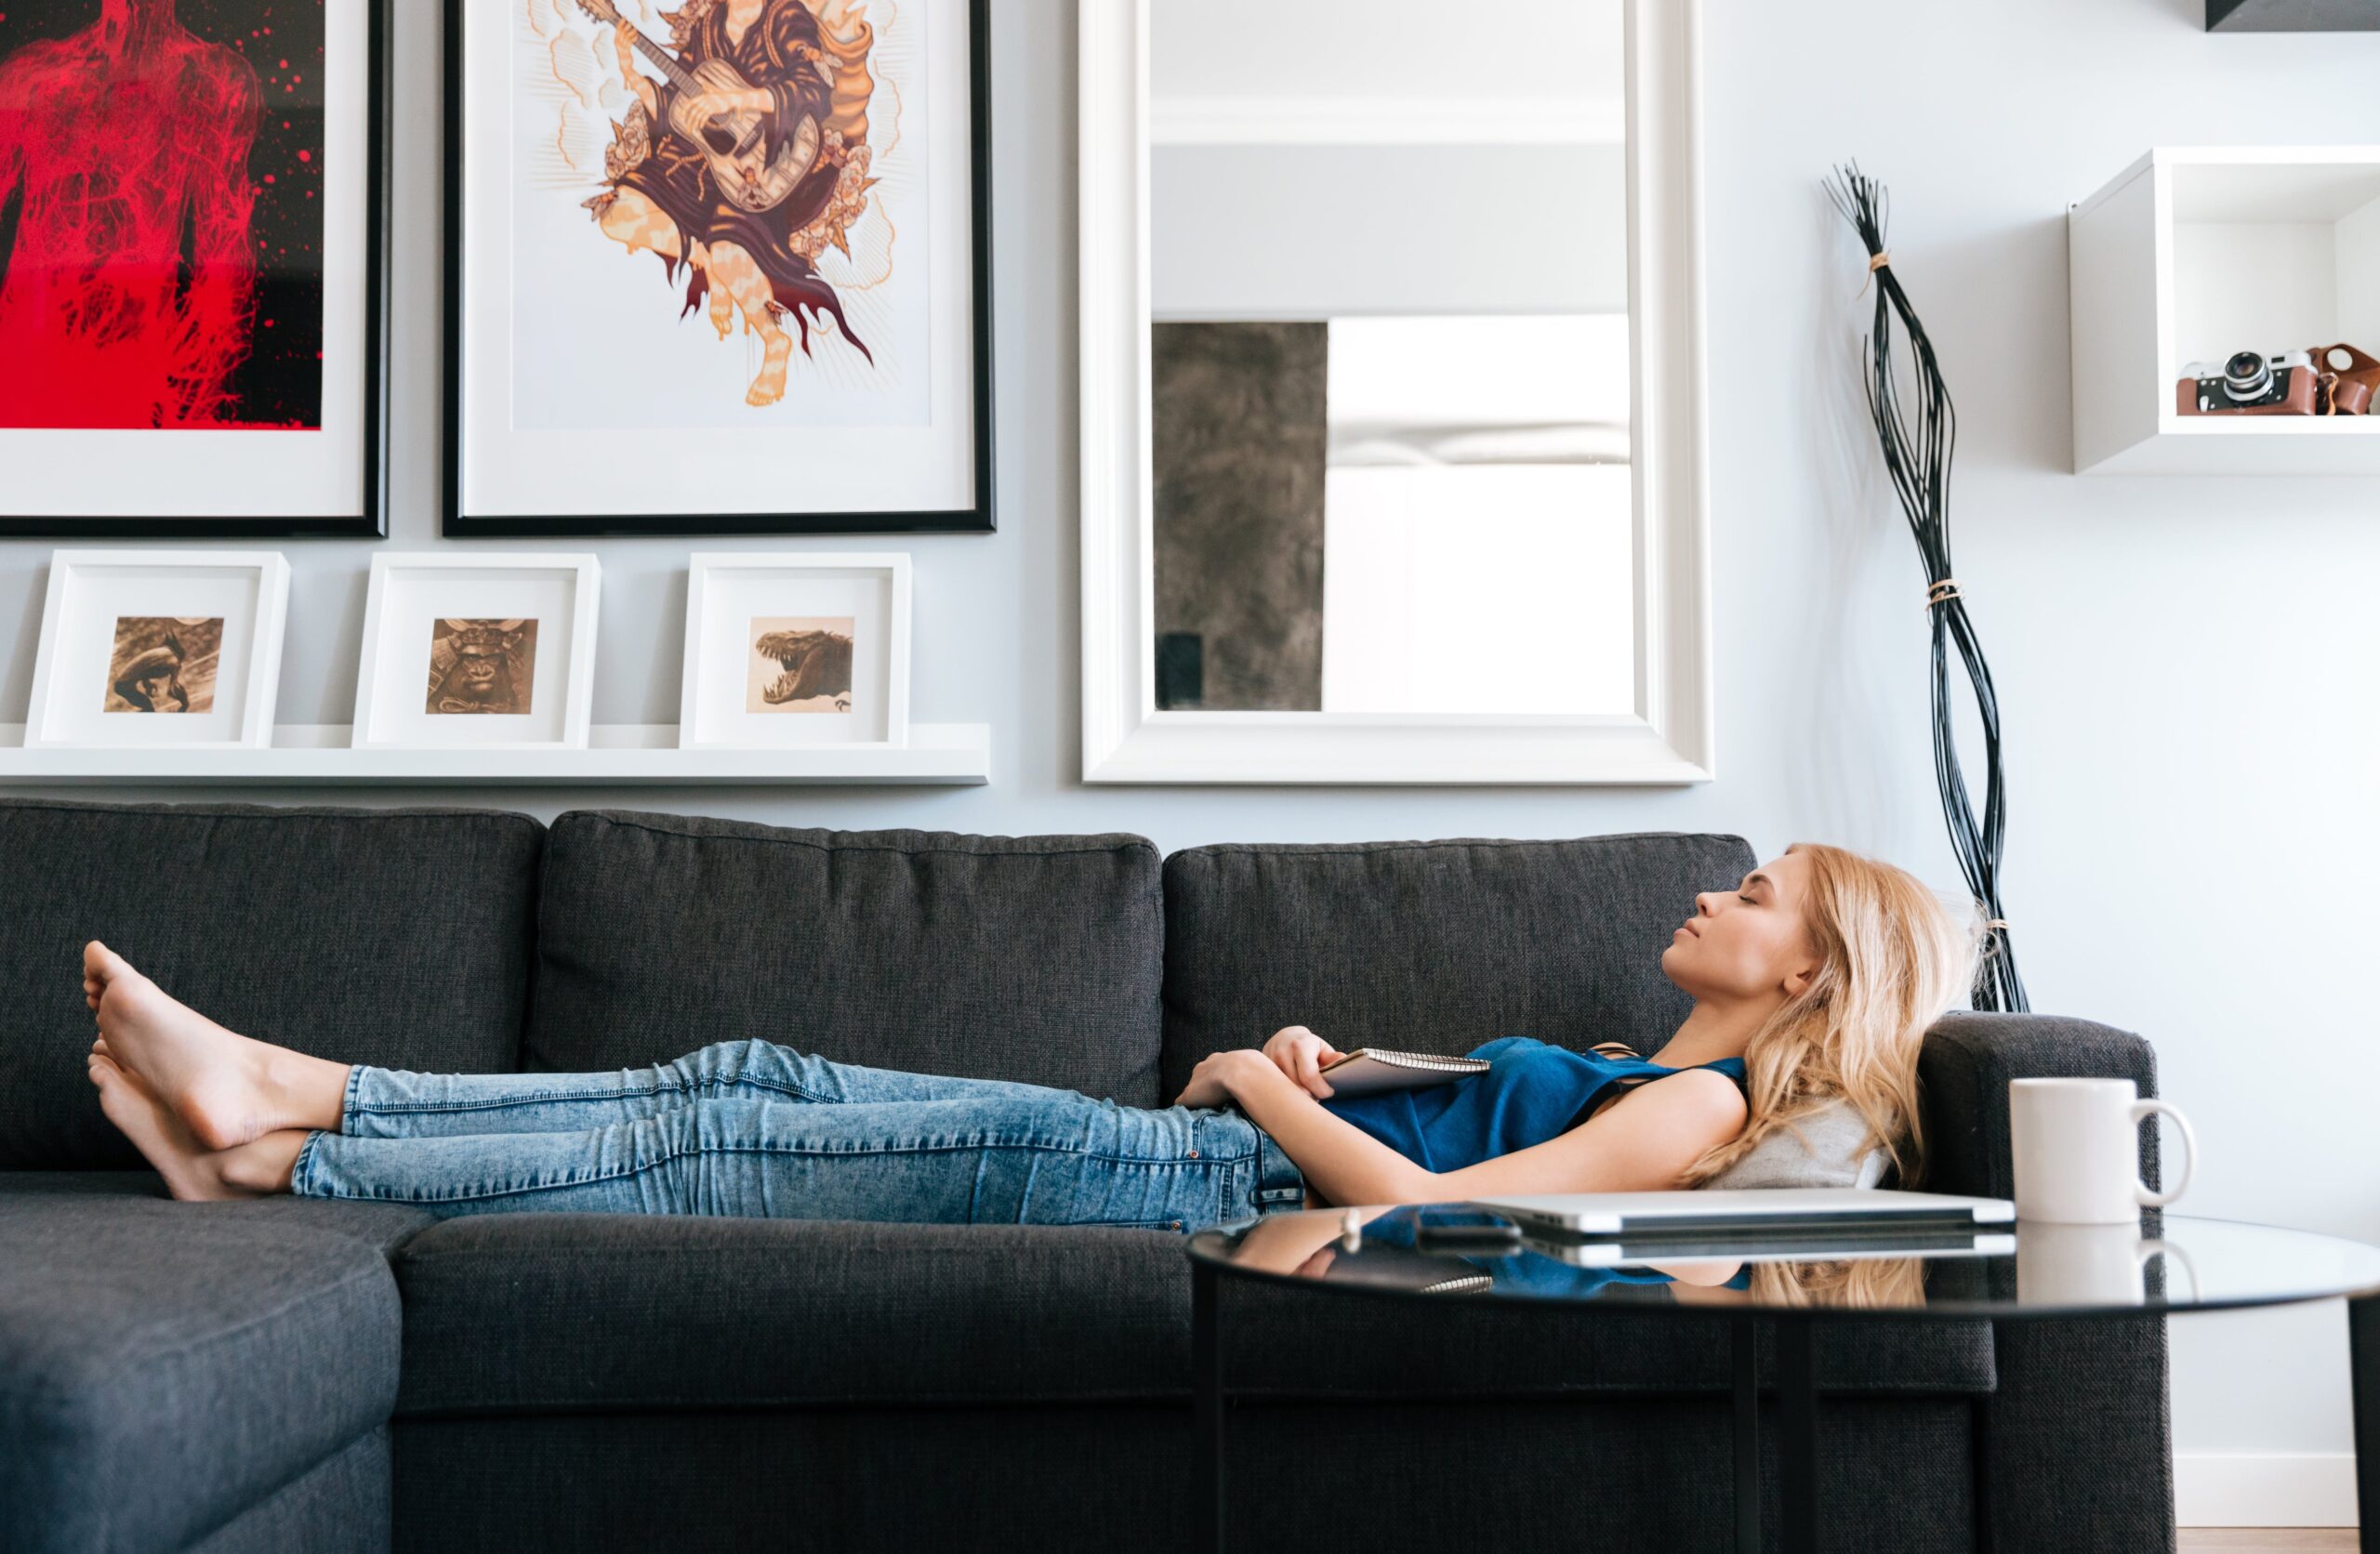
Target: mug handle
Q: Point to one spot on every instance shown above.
(2189, 1153)
(2172, 1253)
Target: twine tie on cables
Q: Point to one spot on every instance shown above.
(1942, 592)
(1876, 261)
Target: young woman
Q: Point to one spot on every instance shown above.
(1816, 979)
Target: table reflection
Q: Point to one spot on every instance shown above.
(1458, 1250)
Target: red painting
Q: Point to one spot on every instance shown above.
(160, 213)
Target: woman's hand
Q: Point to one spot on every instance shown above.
(702, 107)
(1211, 1082)
(708, 105)
(1299, 1053)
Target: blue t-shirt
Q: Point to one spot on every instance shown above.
(1531, 1093)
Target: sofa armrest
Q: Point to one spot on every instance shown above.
(2076, 1440)
(1963, 1076)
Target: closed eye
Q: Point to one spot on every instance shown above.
(1742, 897)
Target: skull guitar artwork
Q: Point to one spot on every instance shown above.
(745, 162)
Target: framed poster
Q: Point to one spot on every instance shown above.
(154, 649)
(720, 267)
(793, 649)
(476, 653)
(201, 352)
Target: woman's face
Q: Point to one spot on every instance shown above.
(1749, 943)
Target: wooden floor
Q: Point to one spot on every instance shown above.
(2266, 1540)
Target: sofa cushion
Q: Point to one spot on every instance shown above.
(1033, 958)
(164, 1367)
(340, 1507)
(396, 937)
(1434, 947)
(527, 1313)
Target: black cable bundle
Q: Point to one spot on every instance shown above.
(1918, 457)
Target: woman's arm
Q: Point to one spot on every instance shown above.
(1340, 1160)
(624, 42)
(1286, 1242)
(1642, 1142)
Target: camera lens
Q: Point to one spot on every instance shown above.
(2246, 375)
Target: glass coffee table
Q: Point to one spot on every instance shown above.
(1451, 1253)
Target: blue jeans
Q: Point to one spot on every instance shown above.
(750, 1128)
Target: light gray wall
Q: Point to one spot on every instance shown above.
(2187, 668)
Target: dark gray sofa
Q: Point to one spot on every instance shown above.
(287, 1375)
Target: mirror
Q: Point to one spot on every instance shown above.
(1392, 392)
(1389, 358)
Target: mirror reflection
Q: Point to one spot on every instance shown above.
(1390, 357)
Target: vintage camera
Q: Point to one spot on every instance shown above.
(2250, 382)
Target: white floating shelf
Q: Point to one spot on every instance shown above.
(956, 754)
(2195, 252)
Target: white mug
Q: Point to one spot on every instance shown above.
(2075, 1147)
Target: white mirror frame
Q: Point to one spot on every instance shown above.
(1127, 739)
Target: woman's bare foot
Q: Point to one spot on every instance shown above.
(264, 1164)
(227, 1088)
(191, 1174)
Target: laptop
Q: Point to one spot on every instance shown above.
(1755, 1211)
(1807, 1246)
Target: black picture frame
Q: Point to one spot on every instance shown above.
(372, 522)
(975, 519)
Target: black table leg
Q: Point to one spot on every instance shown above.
(2363, 1357)
(1797, 1438)
(1742, 1331)
(1206, 1420)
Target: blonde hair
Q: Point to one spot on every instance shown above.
(1892, 959)
(1861, 1284)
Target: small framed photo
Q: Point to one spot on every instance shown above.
(792, 649)
(176, 649)
(469, 652)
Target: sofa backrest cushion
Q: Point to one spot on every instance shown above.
(400, 938)
(1434, 947)
(1033, 958)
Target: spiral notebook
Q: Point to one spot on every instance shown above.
(1370, 1071)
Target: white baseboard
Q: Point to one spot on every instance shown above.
(2264, 1488)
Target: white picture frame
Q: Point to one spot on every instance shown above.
(427, 611)
(1667, 738)
(737, 601)
(208, 621)
(883, 422)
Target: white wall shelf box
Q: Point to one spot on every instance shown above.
(2195, 252)
(2293, 16)
(626, 755)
